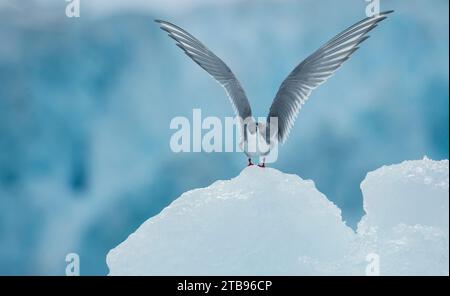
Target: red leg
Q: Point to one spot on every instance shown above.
(250, 162)
(263, 165)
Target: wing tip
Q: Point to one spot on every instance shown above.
(165, 25)
(378, 17)
(383, 15)
(161, 22)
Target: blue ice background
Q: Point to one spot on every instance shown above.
(85, 107)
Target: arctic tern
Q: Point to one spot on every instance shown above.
(257, 138)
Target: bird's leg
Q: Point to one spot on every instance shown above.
(250, 162)
(263, 165)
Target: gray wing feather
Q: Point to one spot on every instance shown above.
(212, 64)
(315, 70)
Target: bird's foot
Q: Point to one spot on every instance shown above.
(250, 163)
(263, 165)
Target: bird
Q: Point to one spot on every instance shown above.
(258, 138)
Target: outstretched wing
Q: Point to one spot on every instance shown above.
(212, 64)
(315, 70)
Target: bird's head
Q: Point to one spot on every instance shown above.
(255, 126)
(261, 127)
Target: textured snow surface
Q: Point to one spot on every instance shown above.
(265, 222)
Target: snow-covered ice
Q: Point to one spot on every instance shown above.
(265, 222)
(407, 217)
